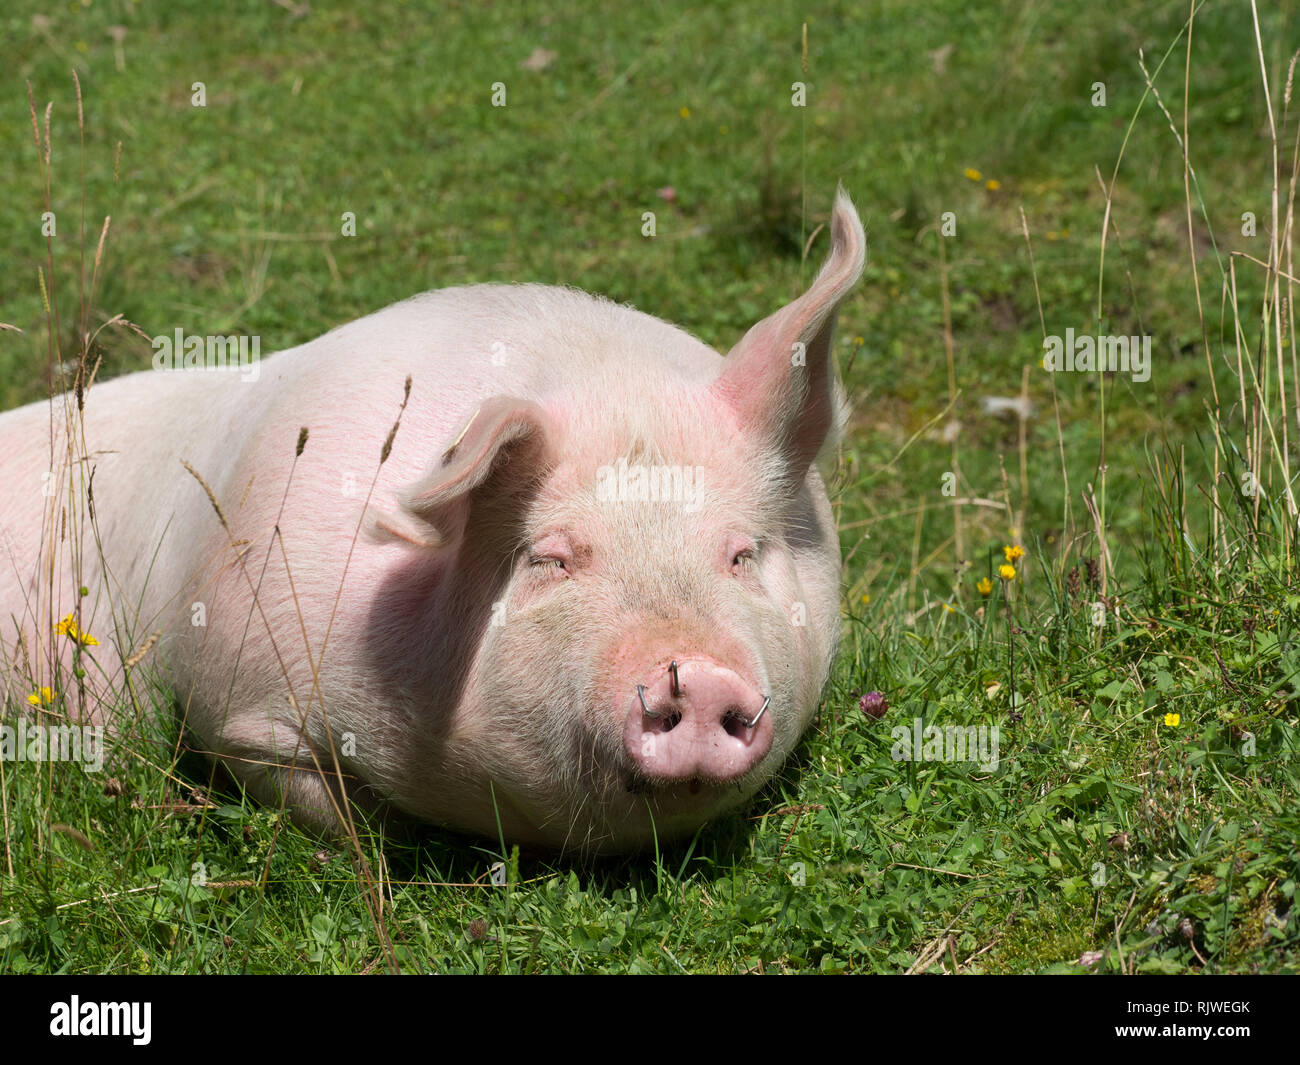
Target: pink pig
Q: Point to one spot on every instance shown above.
(590, 594)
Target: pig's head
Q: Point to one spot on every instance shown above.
(642, 572)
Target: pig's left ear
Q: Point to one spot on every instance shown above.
(500, 450)
(779, 380)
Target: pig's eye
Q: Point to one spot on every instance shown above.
(741, 550)
(551, 557)
(549, 568)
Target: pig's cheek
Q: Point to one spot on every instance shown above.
(536, 644)
(781, 616)
(537, 590)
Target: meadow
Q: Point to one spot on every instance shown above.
(1099, 565)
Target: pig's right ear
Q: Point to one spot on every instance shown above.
(503, 444)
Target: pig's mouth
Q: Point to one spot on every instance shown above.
(696, 791)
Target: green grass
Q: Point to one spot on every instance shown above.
(1103, 829)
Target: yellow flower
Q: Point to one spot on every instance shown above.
(972, 173)
(68, 627)
(1172, 720)
(1007, 573)
(685, 112)
(1014, 553)
(866, 597)
(948, 608)
(984, 586)
(993, 184)
(43, 696)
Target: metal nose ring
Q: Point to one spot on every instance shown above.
(640, 694)
(761, 711)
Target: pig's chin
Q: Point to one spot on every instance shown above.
(692, 801)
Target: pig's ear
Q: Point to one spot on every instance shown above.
(504, 443)
(779, 380)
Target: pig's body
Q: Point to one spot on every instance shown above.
(489, 643)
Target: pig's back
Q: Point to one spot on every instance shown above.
(466, 344)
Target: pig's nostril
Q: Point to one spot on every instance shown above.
(737, 724)
(734, 724)
(666, 720)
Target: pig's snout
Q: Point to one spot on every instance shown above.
(697, 721)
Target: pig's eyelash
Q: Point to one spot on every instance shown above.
(542, 560)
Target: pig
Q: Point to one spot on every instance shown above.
(512, 559)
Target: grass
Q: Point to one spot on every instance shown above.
(1104, 832)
